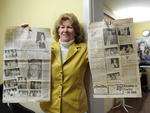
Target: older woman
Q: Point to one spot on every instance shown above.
(69, 62)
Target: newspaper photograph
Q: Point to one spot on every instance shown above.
(26, 65)
(113, 59)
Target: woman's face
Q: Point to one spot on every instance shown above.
(66, 31)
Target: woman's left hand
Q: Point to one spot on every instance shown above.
(107, 22)
(25, 26)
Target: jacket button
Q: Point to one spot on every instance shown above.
(60, 71)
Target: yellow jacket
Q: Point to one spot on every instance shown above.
(68, 94)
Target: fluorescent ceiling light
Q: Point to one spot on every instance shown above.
(139, 14)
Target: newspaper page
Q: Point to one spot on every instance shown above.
(113, 59)
(26, 65)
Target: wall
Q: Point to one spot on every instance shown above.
(138, 28)
(38, 13)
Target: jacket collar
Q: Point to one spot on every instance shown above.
(73, 49)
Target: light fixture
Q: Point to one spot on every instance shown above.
(137, 13)
(146, 33)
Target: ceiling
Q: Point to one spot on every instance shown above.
(137, 9)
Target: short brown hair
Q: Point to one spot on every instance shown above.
(79, 36)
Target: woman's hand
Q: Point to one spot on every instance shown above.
(25, 26)
(107, 22)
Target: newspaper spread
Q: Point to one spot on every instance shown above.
(26, 65)
(113, 59)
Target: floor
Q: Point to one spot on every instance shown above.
(140, 105)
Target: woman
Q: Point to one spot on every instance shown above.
(69, 62)
(68, 65)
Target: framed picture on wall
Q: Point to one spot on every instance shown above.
(143, 51)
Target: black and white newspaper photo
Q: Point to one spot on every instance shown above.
(26, 65)
(113, 59)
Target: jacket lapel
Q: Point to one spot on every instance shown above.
(56, 51)
(73, 49)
